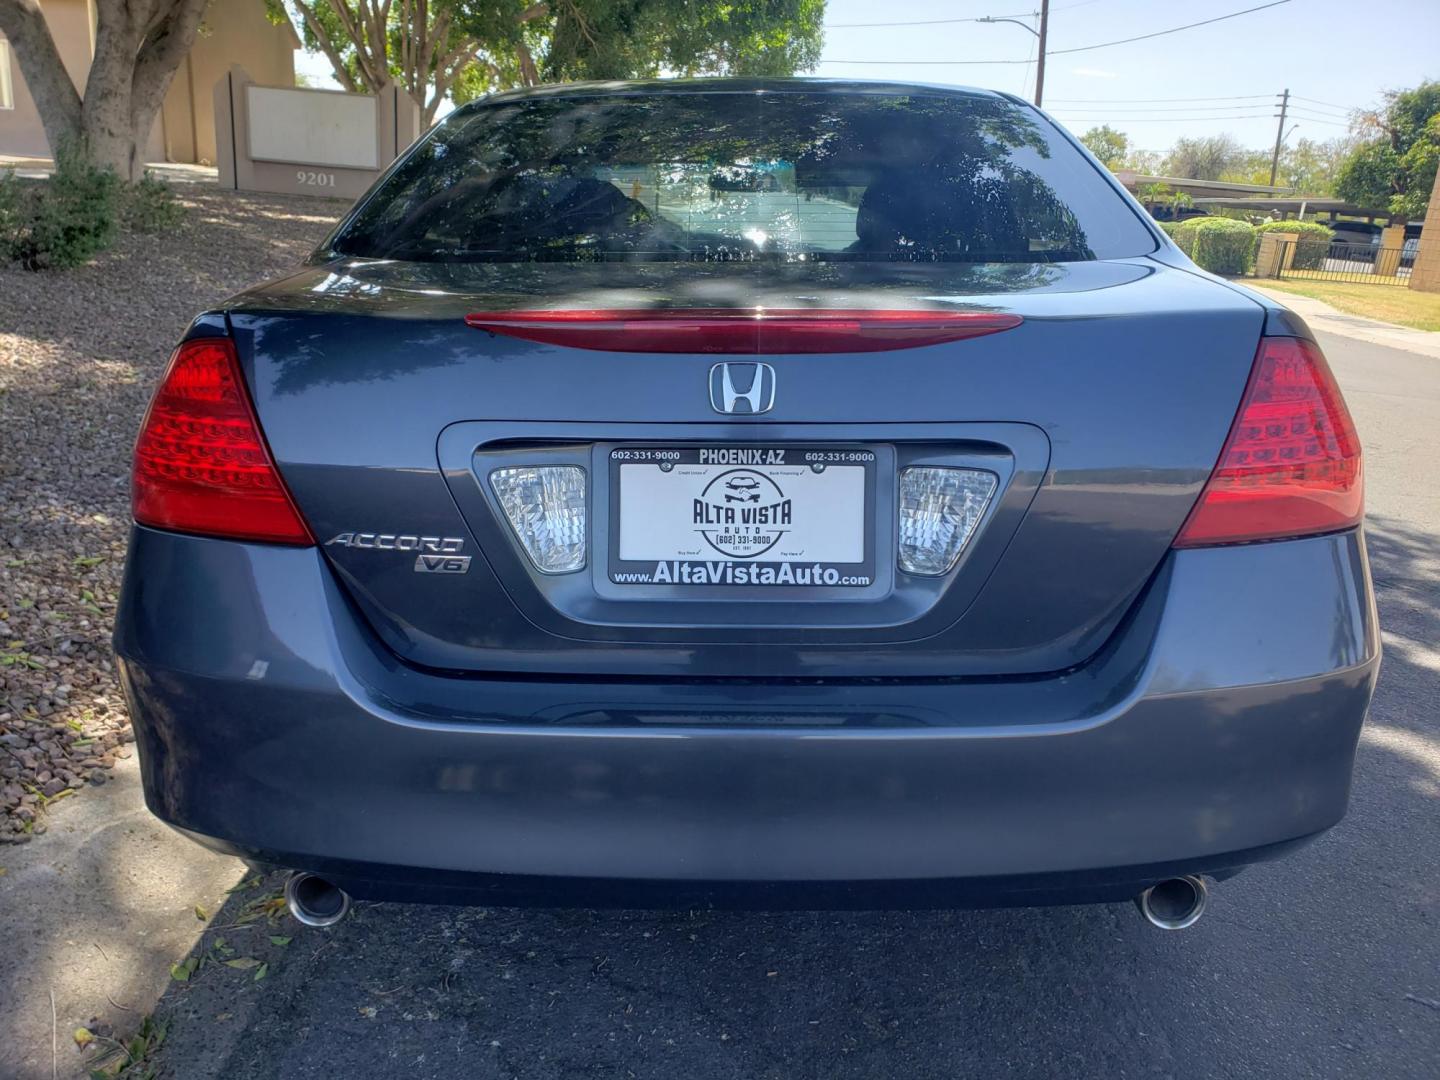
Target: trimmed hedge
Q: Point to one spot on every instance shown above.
(1220, 245)
(1183, 233)
(1169, 227)
(1314, 245)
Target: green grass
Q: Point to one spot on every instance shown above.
(1405, 307)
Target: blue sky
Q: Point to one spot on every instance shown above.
(1339, 54)
(1336, 54)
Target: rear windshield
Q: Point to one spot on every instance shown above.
(786, 176)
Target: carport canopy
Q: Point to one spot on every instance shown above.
(1297, 206)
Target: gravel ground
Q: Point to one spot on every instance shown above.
(80, 352)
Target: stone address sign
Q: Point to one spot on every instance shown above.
(299, 141)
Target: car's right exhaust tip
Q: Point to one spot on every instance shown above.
(1175, 903)
(315, 901)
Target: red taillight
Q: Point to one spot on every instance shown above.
(201, 464)
(741, 330)
(1291, 465)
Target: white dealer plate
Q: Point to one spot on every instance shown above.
(694, 515)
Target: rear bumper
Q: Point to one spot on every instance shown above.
(1218, 728)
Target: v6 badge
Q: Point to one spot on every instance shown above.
(442, 564)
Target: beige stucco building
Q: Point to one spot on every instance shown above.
(233, 32)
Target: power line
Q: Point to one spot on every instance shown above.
(1172, 30)
(947, 22)
(1061, 52)
(1323, 112)
(1315, 101)
(926, 63)
(1191, 108)
(926, 22)
(1340, 110)
(1327, 112)
(1316, 119)
(1025, 76)
(1161, 119)
(1150, 101)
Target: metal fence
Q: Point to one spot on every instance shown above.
(1367, 264)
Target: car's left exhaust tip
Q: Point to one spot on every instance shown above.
(315, 901)
(1175, 903)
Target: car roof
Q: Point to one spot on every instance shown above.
(799, 85)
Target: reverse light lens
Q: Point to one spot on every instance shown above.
(742, 330)
(546, 508)
(201, 464)
(939, 509)
(1291, 465)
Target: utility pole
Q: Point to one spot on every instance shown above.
(1041, 34)
(1040, 64)
(1279, 134)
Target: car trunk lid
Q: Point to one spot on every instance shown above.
(1100, 409)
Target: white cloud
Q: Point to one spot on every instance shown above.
(1093, 73)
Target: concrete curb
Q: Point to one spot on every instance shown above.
(1325, 319)
(95, 912)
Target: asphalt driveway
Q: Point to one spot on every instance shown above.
(1324, 965)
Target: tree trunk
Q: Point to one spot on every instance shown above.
(164, 49)
(139, 44)
(138, 47)
(56, 98)
(106, 121)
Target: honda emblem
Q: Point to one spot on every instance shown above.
(744, 389)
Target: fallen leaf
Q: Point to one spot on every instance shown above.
(275, 939)
(201, 914)
(83, 1038)
(244, 963)
(261, 972)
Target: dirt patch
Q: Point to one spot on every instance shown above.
(80, 353)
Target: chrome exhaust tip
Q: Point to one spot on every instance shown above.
(1174, 904)
(314, 901)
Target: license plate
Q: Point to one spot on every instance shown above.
(765, 516)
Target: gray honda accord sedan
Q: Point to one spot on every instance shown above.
(761, 493)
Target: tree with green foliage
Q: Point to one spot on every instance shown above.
(1163, 201)
(1152, 195)
(1311, 166)
(1205, 158)
(1394, 168)
(1107, 144)
(462, 49)
(1144, 162)
(1247, 167)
